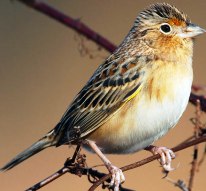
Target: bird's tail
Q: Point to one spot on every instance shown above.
(46, 141)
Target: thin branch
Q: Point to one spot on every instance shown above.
(195, 152)
(84, 30)
(202, 159)
(76, 168)
(75, 165)
(149, 159)
(193, 99)
(57, 174)
(49, 179)
(186, 140)
(193, 168)
(75, 24)
(197, 88)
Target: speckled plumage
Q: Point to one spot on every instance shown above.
(136, 95)
(133, 63)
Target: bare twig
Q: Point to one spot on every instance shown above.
(194, 97)
(75, 165)
(186, 140)
(49, 179)
(195, 153)
(83, 29)
(57, 174)
(193, 168)
(202, 159)
(84, 50)
(197, 88)
(84, 171)
(75, 24)
(149, 159)
(75, 168)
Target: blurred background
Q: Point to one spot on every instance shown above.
(41, 70)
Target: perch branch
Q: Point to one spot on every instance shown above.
(73, 168)
(149, 159)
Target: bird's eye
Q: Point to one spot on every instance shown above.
(165, 28)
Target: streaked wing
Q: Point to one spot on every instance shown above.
(113, 84)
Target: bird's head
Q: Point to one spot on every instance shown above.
(164, 26)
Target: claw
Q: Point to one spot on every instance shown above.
(166, 156)
(117, 176)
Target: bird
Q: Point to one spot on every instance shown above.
(135, 96)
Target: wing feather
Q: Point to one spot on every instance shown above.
(113, 84)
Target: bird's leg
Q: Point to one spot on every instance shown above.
(117, 174)
(166, 156)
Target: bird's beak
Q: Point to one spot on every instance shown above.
(191, 30)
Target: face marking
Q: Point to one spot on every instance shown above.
(174, 21)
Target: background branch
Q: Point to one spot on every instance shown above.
(84, 30)
(68, 21)
(196, 148)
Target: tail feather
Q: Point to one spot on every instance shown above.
(43, 143)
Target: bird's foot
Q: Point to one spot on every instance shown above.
(117, 176)
(166, 156)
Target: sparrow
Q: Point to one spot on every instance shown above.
(135, 96)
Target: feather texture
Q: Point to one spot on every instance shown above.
(113, 84)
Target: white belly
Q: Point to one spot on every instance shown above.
(155, 119)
